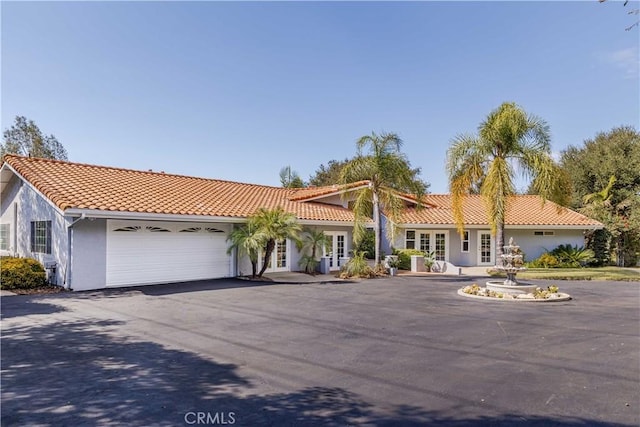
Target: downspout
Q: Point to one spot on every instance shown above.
(67, 273)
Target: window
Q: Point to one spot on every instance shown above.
(425, 239)
(4, 236)
(410, 239)
(465, 242)
(441, 247)
(543, 233)
(41, 237)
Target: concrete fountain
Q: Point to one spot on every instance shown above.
(510, 289)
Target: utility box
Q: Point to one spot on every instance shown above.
(417, 264)
(52, 277)
(325, 265)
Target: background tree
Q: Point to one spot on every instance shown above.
(605, 173)
(635, 11)
(290, 178)
(329, 174)
(25, 138)
(389, 173)
(509, 139)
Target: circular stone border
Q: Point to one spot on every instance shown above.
(562, 297)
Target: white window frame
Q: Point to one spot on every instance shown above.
(432, 241)
(36, 245)
(5, 237)
(465, 239)
(414, 240)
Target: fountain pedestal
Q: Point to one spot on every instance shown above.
(511, 265)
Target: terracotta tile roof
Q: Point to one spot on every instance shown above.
(523, 210)
(83, 186)
(313, 192)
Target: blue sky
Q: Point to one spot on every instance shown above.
(238, 90)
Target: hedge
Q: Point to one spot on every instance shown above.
(404, 257)
(21, 273)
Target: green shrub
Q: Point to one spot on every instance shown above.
(573, 256)
(308, 264)
(564, 256)
(404, 256)
(367, 245)
(546, 260)
(357, 267)
(21, 273)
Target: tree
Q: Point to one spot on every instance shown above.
(605, 173)
(312, 239)
(274, 225)
(290, 178)
(389, 173)
(328, 175)
(25, 139)
(261, 232)
(507, 139)
(248, 240)
(631, 12)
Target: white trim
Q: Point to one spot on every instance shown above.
(492, 249)
(467, 240)
(96, 213)
(507, 227)
(553, 227)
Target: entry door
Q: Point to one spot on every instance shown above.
(336, 248)
(485, 248)
(279, 258)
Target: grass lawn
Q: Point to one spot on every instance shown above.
(601, 273)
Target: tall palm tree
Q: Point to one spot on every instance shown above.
(275, 225)
(388, 171)
(508, 140)
(248, 240)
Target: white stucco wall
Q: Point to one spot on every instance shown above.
(533, 246)
(31, 206)
(88, 254)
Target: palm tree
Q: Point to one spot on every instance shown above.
(387, 171)
(509, 139)
(274, 225)
(248, 240)
(311, 241)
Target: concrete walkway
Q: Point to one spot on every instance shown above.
(298, 277)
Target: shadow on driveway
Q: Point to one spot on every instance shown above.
(87, 372)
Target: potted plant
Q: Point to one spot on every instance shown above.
(429, 259)
(393, 263)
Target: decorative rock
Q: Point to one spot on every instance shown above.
(525, 296)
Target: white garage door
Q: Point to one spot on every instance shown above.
(146, 252)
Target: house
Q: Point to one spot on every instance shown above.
(535, 225)
(95, 226)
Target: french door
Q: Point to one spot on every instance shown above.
(486, 248)
(436, 242)
(336, 248)
(279, 260)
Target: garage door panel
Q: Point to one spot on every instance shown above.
(144, 256)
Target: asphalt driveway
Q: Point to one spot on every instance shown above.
(399, 351)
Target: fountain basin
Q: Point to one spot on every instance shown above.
(519, 288)
(525, 298)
